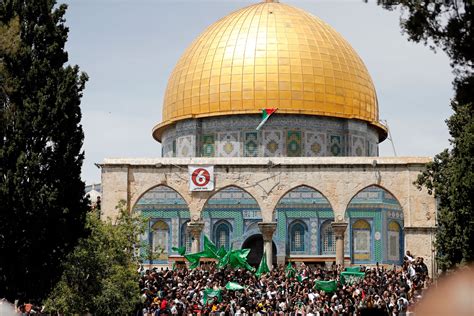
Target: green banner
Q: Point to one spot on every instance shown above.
(210, 248)
(301, 278)
(236, 259)
(290, 271)
(326, 286)
(232, 286)
(180, 250)
(193, 258)
(263, 267)
(351, 277)
(352, 269)
(210, 293)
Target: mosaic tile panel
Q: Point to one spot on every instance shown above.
(251, 144)
(168, 149)
(335, 145)
(208, 147)
(293, 144)
(186, 146)
(228, 144)
(273, 143)
(313, 226)
(175, 232)
(357, 146)
(315, 144)
(303, 195)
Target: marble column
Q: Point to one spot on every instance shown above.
(339, 229)
(195, 228)
(267, 229)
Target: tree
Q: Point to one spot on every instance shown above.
(448, 25)
(100, 275)
(43, 208)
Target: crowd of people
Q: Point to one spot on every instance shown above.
(382, 291)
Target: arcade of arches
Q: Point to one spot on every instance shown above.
(305, 222)
(303, 231)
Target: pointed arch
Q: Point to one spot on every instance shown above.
(231, 195)
(311, 208)
(374, 187)
(327, 238)
(186, 239)
(222, 234)
(317, 197)
(394, 241)
(375, 207)
(158, 197)
(159, 237)
(298, 231)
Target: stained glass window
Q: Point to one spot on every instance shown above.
(297, 232)
(186, 237)
(160, 237)
(222, 235)
(328, 240)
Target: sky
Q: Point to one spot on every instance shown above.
(130, 47)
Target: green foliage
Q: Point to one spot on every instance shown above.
(451, 178)
(43, 208)
(100, 275)
(441, 24)
(448, 25)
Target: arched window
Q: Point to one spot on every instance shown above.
(297, 232)
(394, 241)
(222, 235)
(328, 240)
(186, 237)
(361, 242)
(160, 232)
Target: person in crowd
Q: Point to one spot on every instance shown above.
(381, 291)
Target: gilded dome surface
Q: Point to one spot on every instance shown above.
(270, 55)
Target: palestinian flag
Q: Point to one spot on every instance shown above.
(265, 115)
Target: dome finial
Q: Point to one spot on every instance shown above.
(269, 1)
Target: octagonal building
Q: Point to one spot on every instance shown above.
(270, 55)
(308, 186)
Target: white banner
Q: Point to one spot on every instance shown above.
(201, 178)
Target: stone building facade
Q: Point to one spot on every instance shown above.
(309, 185)
(304, 205)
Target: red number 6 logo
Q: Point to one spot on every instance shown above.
(201, 177)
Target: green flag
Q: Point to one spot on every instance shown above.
(224, 261)
(290, 271)
(180, 250)
(193, 258)
(352, 269)
(351, 277)
(222, 252)
(210, 293)
(210, 248)
(326, 286)
(236, 259)
(263, 267)
(232, 286)
(301, 278)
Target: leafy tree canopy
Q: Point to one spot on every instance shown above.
(100, 275)
(42, 209)
(448, 25)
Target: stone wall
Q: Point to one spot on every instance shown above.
(267, 180)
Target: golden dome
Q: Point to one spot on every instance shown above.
(270, 55)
